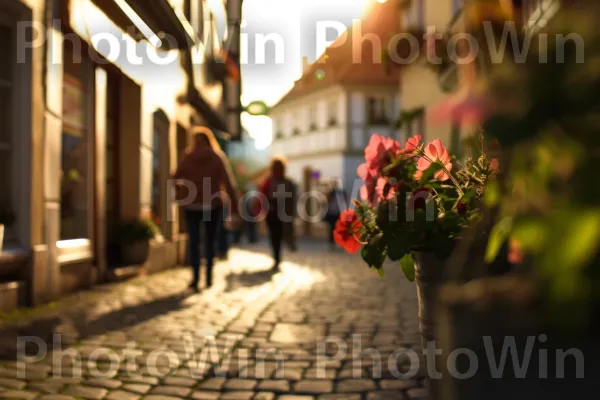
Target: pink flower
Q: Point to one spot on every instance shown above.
(367, 191)
(380, 188)
(434, 152)
(379, 153)
(461, 108)
(412, 144)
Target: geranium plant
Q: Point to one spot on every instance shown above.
(416, 197)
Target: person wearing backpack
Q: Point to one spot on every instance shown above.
(280, 193)
(336, 203)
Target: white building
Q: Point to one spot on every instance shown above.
(324, 123)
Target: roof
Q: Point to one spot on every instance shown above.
(382, 20)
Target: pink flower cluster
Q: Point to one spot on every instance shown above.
(383, 151)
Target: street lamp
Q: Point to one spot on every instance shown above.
(256, 108)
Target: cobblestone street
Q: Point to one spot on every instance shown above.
(253, 335)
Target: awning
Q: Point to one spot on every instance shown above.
(165, 21)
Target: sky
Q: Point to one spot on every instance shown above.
(294, 22)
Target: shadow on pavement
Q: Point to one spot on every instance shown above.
(34, 334)
(248, 279)
(128, 316)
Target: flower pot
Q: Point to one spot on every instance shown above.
(481, 318)
(1, 236)
(135, 253)
(428, 277)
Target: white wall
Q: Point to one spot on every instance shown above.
(331, 166)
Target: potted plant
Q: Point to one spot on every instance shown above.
(416, 200)
(7, 218)
(134, 240)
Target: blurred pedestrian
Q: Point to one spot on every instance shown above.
(281, 200)
(336, 203)
(206, 168)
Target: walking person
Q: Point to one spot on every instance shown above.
(336, 203)
(205, 168)
(281, 199)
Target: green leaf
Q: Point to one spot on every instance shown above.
(574, 242)
(374, 252)
(399, 244)
(530, 233)
(498, 236)
(408, 267)
(492, 194)
(380, 272)
(431, 171)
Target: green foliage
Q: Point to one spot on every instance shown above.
(408, 266)
(546, 116)
(137, 230)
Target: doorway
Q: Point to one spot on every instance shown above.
(112, 165)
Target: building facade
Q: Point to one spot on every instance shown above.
(99, 99)
(422, 86)
(324, 123)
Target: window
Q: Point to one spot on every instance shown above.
(415, 16)
(277, 129)
(416, 125)
(377, 111)
(296, 125)
(456, 5)
(76, 160)
(6, 110)
(312, 117)
(332, 113)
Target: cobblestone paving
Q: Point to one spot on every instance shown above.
(253, 336)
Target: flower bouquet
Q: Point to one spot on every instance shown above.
(415, 198)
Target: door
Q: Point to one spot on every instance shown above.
(112, 165)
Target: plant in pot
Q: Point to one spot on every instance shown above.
(415, 201)
(545, 226)
(134, 240)
(7, 218)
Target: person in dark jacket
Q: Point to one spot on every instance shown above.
(280, 193)
(205, 167)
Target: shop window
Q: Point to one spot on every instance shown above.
(6, 111)
(76, 161)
